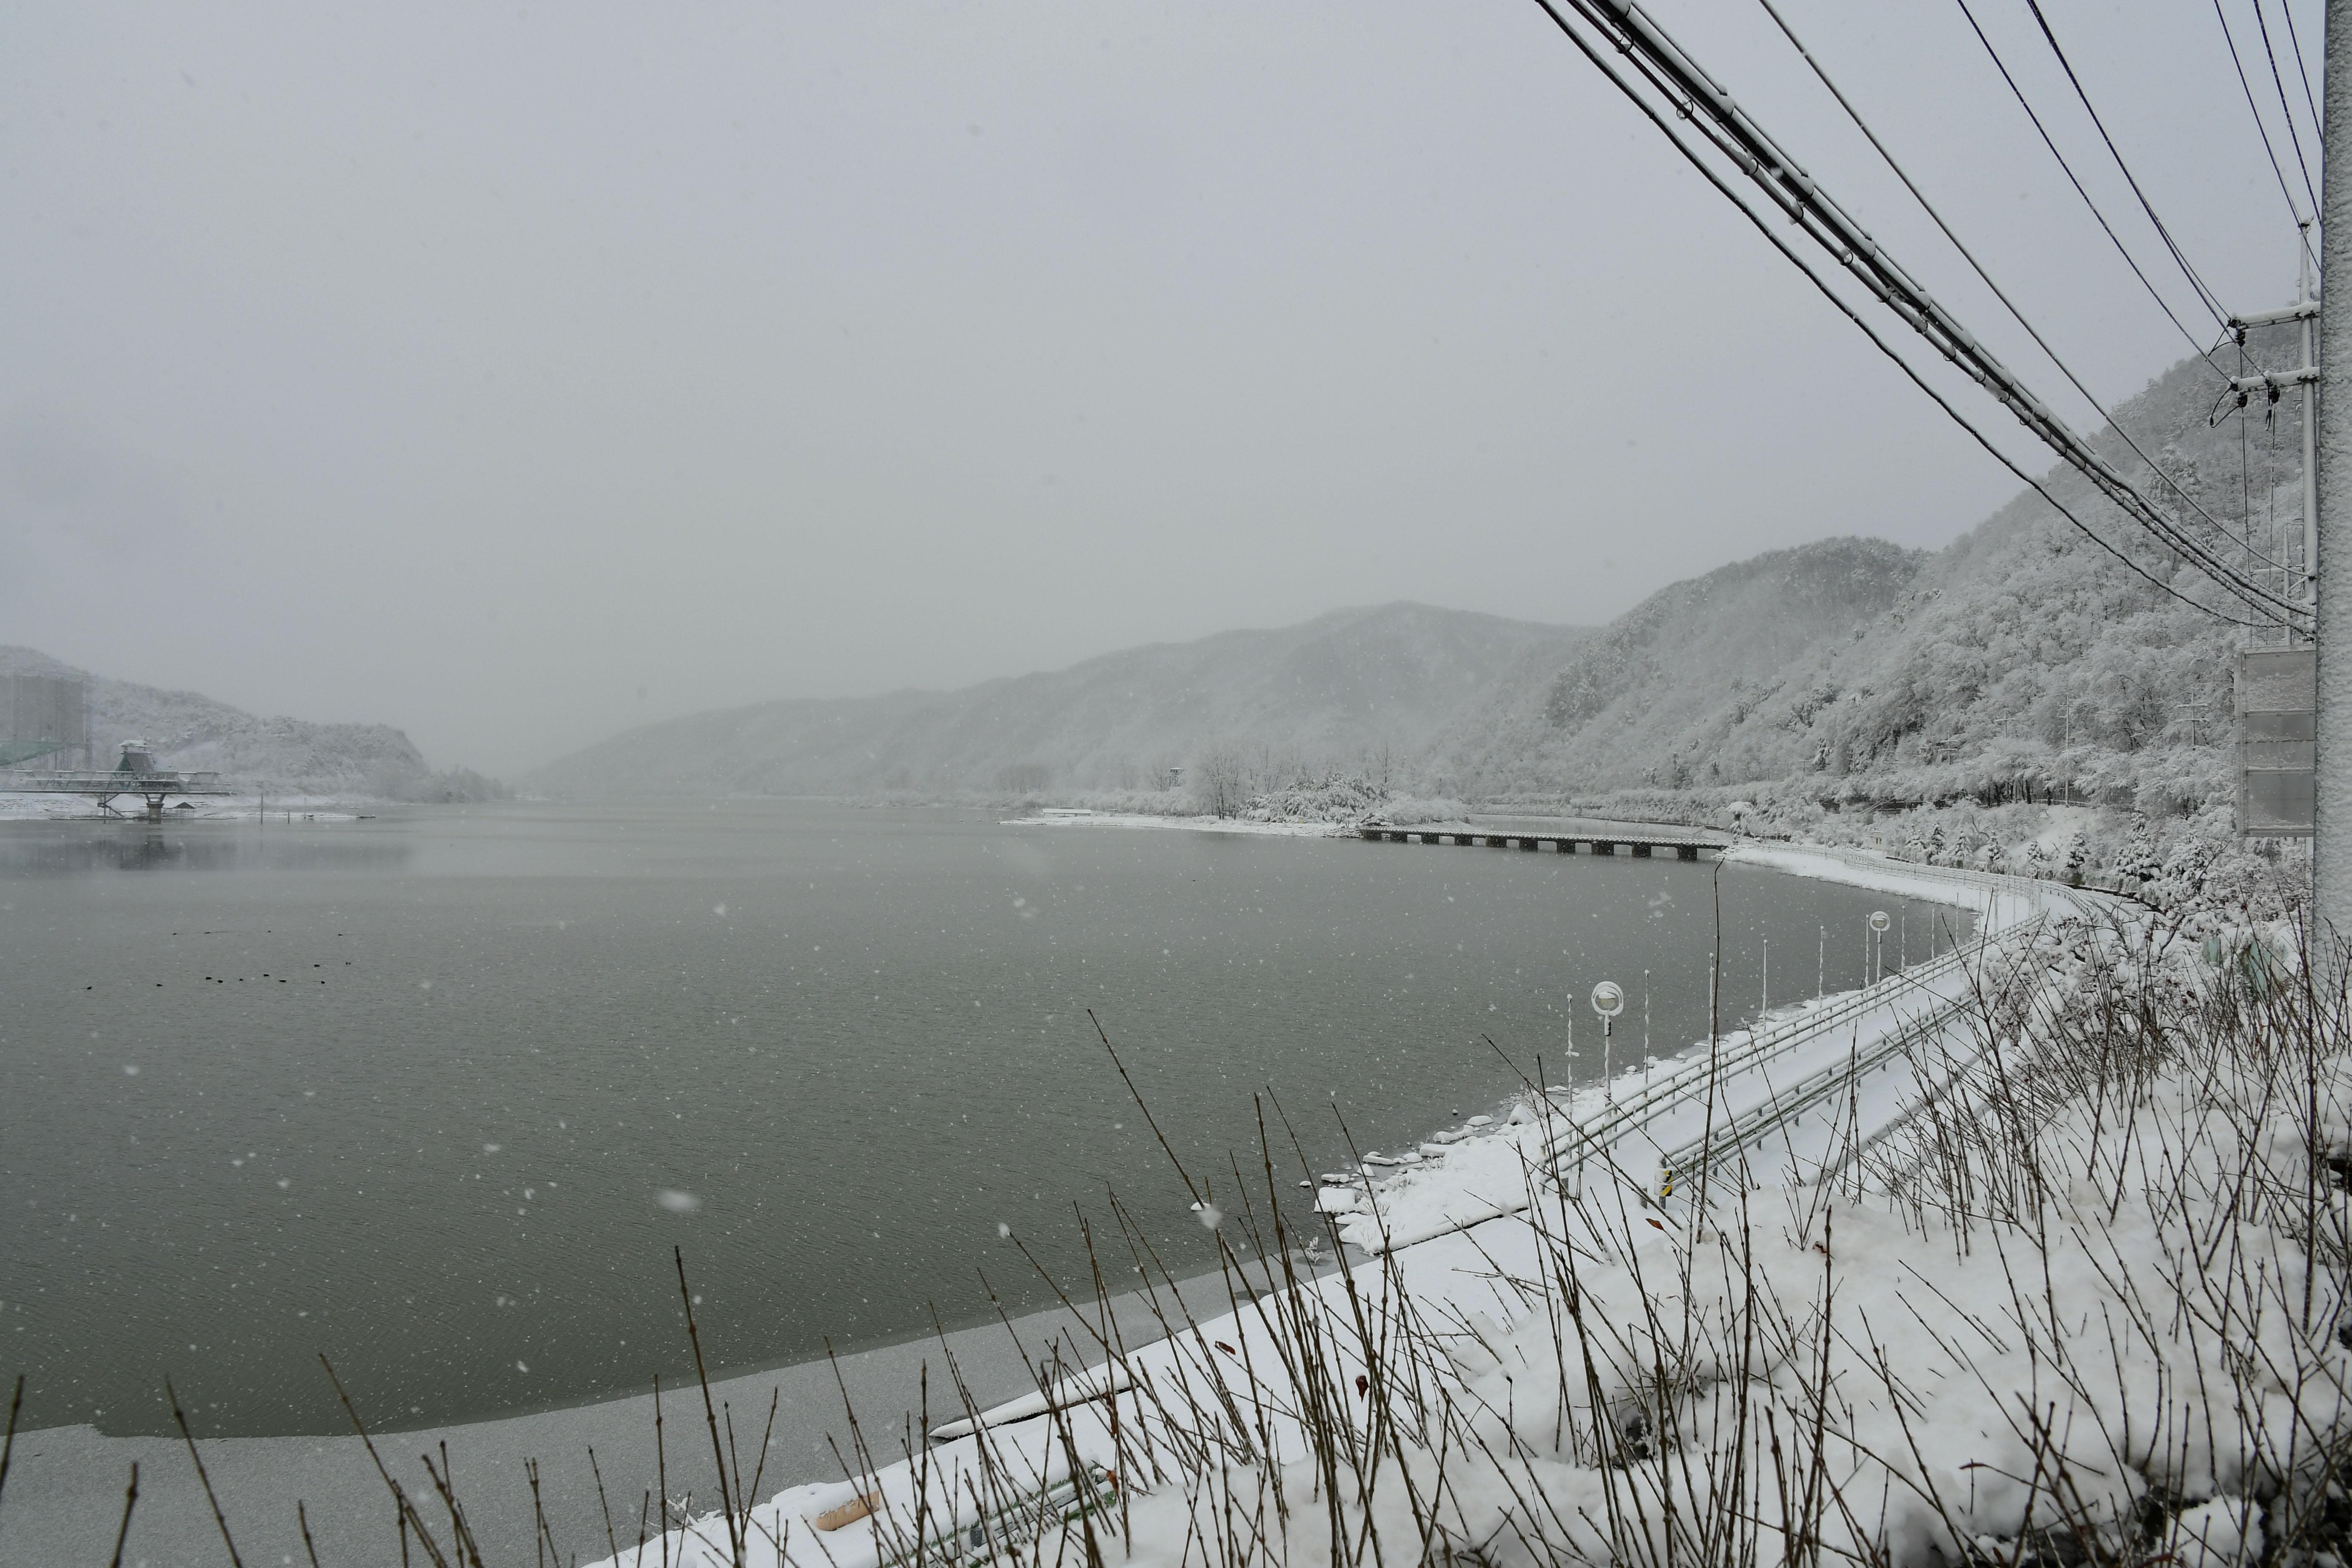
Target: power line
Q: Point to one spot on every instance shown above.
(2318, 122)
(2121, 249)
(1699, 99)
(2286, 109)
(2260, 124)
(2211, 302)
(1843, 306)
(1969, 256)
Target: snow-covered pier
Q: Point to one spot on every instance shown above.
(1564, 835)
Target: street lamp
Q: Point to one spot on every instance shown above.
(1607, 1000)
(1879, 921)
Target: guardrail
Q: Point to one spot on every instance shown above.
(1693, 1157)
(1989, 883)
(1664, 1091)
(1568, 1142)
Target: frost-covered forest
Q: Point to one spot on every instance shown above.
(2022, 664)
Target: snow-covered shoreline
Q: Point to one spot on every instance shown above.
(1078, 817)
(1443, 1216)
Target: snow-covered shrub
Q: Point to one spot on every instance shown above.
(1332, 799)
(1407, 811)
(2183, 876)
(2138, 857)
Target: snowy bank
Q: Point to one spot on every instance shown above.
(2071, 1310)
(1078, 817)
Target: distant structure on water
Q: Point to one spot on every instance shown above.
(49, 720)
(44, 717)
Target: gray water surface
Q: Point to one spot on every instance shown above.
(435, 1094)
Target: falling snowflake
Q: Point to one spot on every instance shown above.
(678, 1202)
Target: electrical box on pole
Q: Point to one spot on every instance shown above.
(2278, 684)
(2277, 733)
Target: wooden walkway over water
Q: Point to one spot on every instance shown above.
(1563, 835)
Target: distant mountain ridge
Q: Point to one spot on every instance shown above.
(1344, 689)
(192, 732)
(2020, 661)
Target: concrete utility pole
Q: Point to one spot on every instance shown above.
(2331, 843)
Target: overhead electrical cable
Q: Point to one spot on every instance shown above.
(1600, 59)
(1697, 97)
(2073, 180)
(2211, 301)
(2318, 120)
(1999, 293)
(2121, 249)
(2261, 124)
(2286, 110)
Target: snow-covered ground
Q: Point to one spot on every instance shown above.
(1558, 1300)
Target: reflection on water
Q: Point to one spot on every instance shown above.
(79, 848)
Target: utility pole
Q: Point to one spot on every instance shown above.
(2305, 297)
(2329, 526)
(2304, 313)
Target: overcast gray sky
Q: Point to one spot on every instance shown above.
(515, 374)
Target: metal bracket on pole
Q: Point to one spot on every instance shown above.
(2305, 310)
(2274, 380)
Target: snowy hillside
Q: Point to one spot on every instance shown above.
(2020, 661)
(1342, 690)
(192, 732)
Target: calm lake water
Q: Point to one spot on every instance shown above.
(436, 1093)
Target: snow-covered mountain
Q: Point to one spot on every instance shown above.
(1361, 689)
(193, 731)
(2022, 660)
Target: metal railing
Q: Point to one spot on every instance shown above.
(1660, 1092)
(1695, 1156)
(37, 781)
